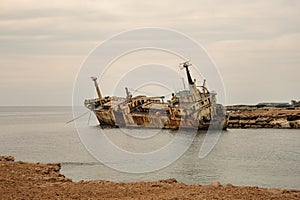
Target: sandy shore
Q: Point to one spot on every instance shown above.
(21, 180)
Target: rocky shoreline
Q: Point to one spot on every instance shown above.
(21, 180)
(266, 117)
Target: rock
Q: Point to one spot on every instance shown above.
(235, 121)
(7, 158)
(236, 126)
(252, 122)
(216, 184)
(54, 167)
(230, 185)
(170, 181)
(255, 126)
(280, 123)
(295, 124)
(156, 185)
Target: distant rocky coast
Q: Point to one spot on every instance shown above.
(263, 117)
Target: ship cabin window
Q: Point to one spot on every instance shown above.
(143, 101)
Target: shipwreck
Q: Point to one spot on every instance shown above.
(195, 107)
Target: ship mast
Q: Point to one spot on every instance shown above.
(97, 87)
(192, 84)
(186, 66)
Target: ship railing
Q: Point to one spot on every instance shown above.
(91, 100)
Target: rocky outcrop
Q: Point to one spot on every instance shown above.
(20, 180)
(263, 118)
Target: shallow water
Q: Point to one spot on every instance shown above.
(261, 157)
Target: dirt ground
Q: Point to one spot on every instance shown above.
(21, 180)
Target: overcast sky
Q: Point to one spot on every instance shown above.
(255, 44)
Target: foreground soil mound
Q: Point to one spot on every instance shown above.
(20, 180)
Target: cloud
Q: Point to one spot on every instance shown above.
(259, 70)
(255, 43)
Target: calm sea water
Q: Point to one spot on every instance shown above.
(262, 157)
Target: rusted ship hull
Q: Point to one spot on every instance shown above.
(165, 117)
(118, 120)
